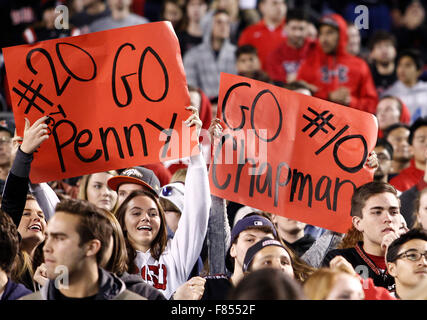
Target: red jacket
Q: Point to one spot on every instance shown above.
(286, 59)
(405, 117)
(263, 39)
(407, 178)
(328, 72)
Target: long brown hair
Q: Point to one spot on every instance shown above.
(158, 245)
(417, 207)
(117, 263)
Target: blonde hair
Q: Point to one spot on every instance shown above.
(84, 181)
(321, 282)
(179, 175)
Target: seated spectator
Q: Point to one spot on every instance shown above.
(391, 110)
(244, 234)
(191, 33)
(414, 205)
(6, 154)
(283, 63)
(267, 284)
(333, 73)
(267, 34)
(173, 11)
(333, 284)
(417, 139)
(204, 63)
(410, 25)
(94, 188)
(408, 88)
(384, 152)
(420, 211)
(292, 234)
(46, 29)
(9, 247)
(248, 64)
(382, 47)
(92, 10)
(121, 16)
(237, 21)
(397, 135)
(407, 262)
(87, 233)
(375, 213)
(354, 40)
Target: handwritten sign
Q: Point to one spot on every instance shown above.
(290, 154)
(114, 99)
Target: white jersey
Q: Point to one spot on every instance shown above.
(177, 260)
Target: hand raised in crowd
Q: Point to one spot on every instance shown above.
(372, 160)
(16, 142)
(194, 119)
(34, 135)
(193, 289)
(215, 129)
(40, 275)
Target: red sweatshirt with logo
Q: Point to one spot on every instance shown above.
(329, 72)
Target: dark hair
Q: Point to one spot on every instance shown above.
(420, 122)
(381, 142)
(117, 263)
(267, 284)
(394, 247)
(296, 14)
(9, 242)
(394, 126)
(415, 55)
(92, 223)
(364, 192)
(380, 36)
(219, 11)
(296, 85)
(399, 102)
(245, 49)
(158, 245)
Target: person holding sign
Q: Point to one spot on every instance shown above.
(334, 74)
(23, 208)
(166, 264)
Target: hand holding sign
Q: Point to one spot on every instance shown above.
(113, 98)
(34, 135)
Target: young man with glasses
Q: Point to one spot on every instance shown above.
(407, 262)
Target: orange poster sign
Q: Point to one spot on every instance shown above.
(290, 154)
(114, 98)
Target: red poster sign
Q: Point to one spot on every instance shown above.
(290, 154)
(115, 99)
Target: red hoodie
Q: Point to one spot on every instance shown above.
(328, 72)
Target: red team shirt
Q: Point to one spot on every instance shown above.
(286, 59)
(264, 39)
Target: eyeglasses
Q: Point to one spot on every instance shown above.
(167, 191)
(412, 255)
